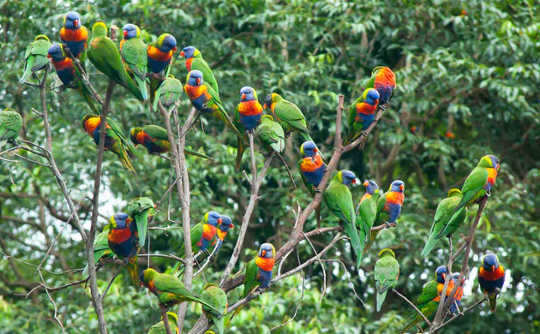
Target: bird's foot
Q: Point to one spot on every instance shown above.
(388, 224)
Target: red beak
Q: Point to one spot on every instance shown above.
(125, 34)
(353, 181)
(263, 253)
(198, 81)
(366, 183)
(232, 226)
(401, 187)
(315, 150)
(76, 23)
(243, 96)
(182, 53)
(492, 268)
(444, 276)
(174, 49)
(219, 221)
(265, 106)
(129, 220)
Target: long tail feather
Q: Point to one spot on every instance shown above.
(352, 233)
(133, 270)
(287, 168)
(381, 296)
(142, 87)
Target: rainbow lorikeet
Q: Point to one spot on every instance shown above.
(443, 225)
(122, 239)
(35, 57)
(367, 212)
(384, 81)
(140, 209)
(159, 327)
(218, 298)
(195, 61)
(223, 229)
(271, 134)
(362, 113)
(115, 141)
(428, 301)
(479, 182)
(249, 109)
(155, 139)
(338, 199)
(11, 123)
(160, 54)
(203, 233)
(133, 52)
(104, 54)
(491, 278)
(171, 291)
(386, 274)
(74, 34)
(288, 115)
(69, 74)
(312, 166)
(259, 270)
(169, 92)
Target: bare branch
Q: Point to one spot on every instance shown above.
(459, 314)
(413, 306)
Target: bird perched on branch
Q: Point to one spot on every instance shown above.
(249, 109)
(218, 298)
(115, 141)
(133, 51)
(35, 57)
(386, 274)
(338, 199)
(384, 81)
(122, 240)
(491, 278)
(362, 113)
(223, 229)
(74, 34)
(271, 134)
(259, 270)
(140, 209)
(104, 54)
(288, 115)
(11, 123)
(195, 61)
(444, 222)
(160, 55)
(169, 92)
(367, 212)
(171, 291)
(479, 182)
(312, 166)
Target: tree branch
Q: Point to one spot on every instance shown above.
(414, 306)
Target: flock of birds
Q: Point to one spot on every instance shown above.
(144, 71)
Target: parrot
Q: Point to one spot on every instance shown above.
(249, 109)
(479, 182)
(140, 209)
(428, 301)
(169, 92)
(205, 99)
(122, 239)
(312, 166)
(384, 81)
(11, 123)
(171, 291)
(160, 54)
(218, 298)
(442, 225)
(288, 115)
(74, 34)
(271, 134)
(35, 57)
(338, 199)
(155, 139)
(115, 140)
(259, 270)
(159, 327)
(133, 52)
(104, 54)
(195, 61)
(69, 74)
(367, 211)
(386, 274)
(223, 229)
(362, 113)
(491, 278)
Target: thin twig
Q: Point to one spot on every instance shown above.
(165, 256)
(165, 319)
(459, 314)
(104, 294)
(414, 306)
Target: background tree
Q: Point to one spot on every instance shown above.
(467, 75)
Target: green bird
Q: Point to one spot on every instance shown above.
(271, 134)
(288, 115)
(104, 54)
(338, 199)
(195, 61)
(115, 141)
(169, 92)
(159, 327)
(362, 114)
(386, 274)
(133, 52)
(11, 123)
(444, 223)
(140, 209)
(367, 212)
(35, 57)
(171, 291)
(480, 181)
(101, 247)
(218, 298)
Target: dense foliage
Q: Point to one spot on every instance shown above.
(467, 77)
